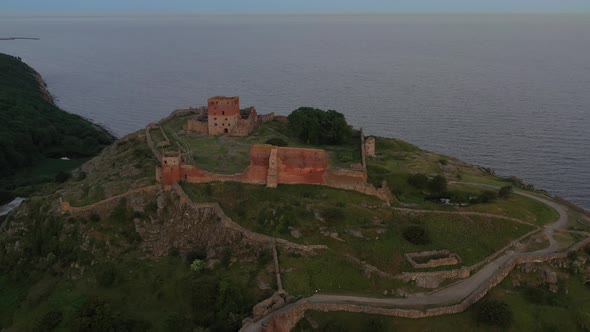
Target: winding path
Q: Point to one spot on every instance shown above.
(453, 294)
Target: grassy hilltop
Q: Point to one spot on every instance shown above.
(143, 262)
(34, 133)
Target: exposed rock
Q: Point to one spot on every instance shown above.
(263, 285)
(428, 282)
(295, 233)
(386, 292)
(356, 233)
(549, 277)
(553, 288)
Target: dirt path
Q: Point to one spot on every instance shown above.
(446, 296)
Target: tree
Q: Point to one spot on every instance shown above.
(416, 235)
(487, 196)
(438, 184)
(505, 192)
(418, 180)
(315, 126)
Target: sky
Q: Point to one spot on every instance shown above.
(66, 7)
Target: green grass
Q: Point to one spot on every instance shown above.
(571, 314)
(229, 155)
(140, 288)
(329, 272)
(279, 211)
(517, 206)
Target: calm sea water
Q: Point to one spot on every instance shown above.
(508, 92)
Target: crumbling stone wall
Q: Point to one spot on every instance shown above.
(369, 145)
(266, 118)
(197, 126)
(292, 314)
(247, 122)
(450, 259)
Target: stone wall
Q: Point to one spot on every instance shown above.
(292, 314)
(369, 145)
(196, 126)
(266, 118)
(106, 204)
(245, 126)
(450, 259)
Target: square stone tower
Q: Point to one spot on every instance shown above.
(223, 114)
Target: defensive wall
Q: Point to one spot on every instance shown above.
(293, 313)
(292, 166)
(229, 223)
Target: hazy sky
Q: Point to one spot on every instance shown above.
(8, 7)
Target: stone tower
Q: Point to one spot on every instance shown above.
(370, 146)
(171, 167)
(223, 114)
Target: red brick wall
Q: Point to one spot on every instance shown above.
(299, 165)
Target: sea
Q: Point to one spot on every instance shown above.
(510, 92)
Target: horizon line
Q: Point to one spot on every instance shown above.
(195, 14)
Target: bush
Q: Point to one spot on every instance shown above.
(50, 321)
(277, 142)
(495, 313)
(443, 162)
(541, 296)
(62, 177)
(418, 180)
(106, 276)
(505, 192)
(416, 235)
(94, 217)
(487, 196)
(198, 265)
(333, 214)
(438, 184)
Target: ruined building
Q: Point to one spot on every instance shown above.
(224, 117)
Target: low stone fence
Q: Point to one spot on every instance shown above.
(289, 318)
(449, 259)
(66, 207)
(229, 223)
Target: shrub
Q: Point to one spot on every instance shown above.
(277, 142)
(198, 265)
(505, 192)
(418, 180)
(50, 321)
(62, 177)
(540, 295)
(94, 217)
(106, 276)
(487, 196)
(333, 214)
(438, 184)
(494, 312)
(416, 235)
(443, 162)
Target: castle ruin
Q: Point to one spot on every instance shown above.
(223, 116)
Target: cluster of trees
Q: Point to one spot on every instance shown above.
(33, 128)
(438, 188)
(437, 184)
(315, 126)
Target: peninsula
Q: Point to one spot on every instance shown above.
(219, 218)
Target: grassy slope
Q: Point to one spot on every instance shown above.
(228, 155)
(567, 312)
(165, 290)
(33, 129)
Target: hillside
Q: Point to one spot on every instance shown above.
(115, 250)
(35, 134)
